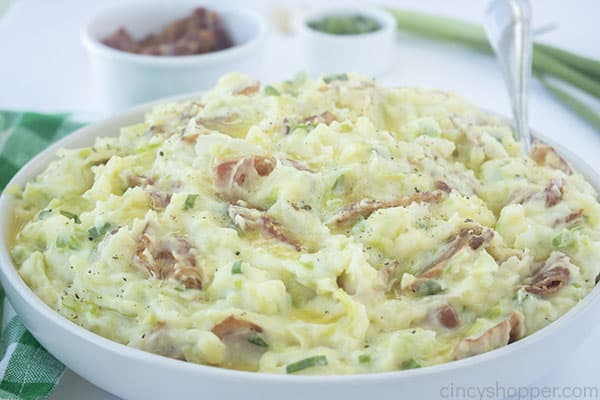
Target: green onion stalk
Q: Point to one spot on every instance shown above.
(548, 61)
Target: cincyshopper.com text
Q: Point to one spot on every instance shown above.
(499, 391)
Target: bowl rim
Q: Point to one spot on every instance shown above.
(94, 45)
(387, 21)
(11, 277)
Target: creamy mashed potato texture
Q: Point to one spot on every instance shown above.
(329, 226)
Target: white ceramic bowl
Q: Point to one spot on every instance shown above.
(134, 374)
(369, 54)
(124, 79)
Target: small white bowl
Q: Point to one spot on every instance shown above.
(370, 54)
(124, 79)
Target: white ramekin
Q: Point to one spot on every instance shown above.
(370, 54)
(137, 375)
(124, 79)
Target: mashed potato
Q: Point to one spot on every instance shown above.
(320, 227)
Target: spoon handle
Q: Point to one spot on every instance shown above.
(508, 27)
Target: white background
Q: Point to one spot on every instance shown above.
(43, 67)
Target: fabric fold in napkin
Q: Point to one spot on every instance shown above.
(27, 370)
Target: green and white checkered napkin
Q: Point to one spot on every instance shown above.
(27, 370)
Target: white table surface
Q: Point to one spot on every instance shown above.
(43, 67)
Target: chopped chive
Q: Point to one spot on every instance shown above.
(410, 364)
(597, 279)
(303, 125)
(236, 268)
(257, 340)
(428, 288)
(345, 24)
(271, 91)
(94, 232)
(309, 362)
(562, 241)
(364, 359)
(70, 215)
(190, 200)
(335, 77)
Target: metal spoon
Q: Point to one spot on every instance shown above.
(508, 27)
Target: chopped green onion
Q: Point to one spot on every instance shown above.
(597, 279)
(94, 232)
(364, 359)
(562, 241)
(303, 125)
(236, 268)
(428, 288)
(335, 77)
(70, 215)
(410, 364)
(345, 24)
(257, 340)
(190, 200)
(309, 362)
(271, 91)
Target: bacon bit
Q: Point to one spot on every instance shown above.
(387, 274)
(253, 88)
(443, 186)
(366, 207)
(324, 118)
(544, 154)
(170, 256)
(189, 276)
(233, 325)
(160, 200)
(505, 332)
(236, 334)
(553, 192)
(220, 121)
(447, 316)
(191, 138)
(122, 40)
(253, 219)
(473, 237)
(571, 217)
(551, 277)
(517, 326)
(139, 180)
(234, 173)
